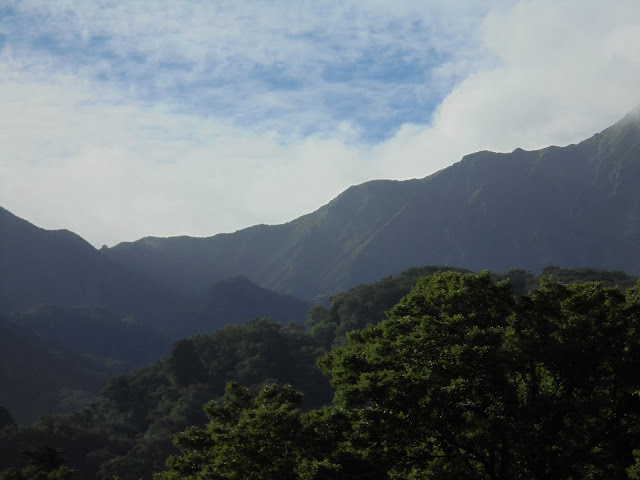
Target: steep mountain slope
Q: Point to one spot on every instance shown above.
(572, 206)
(234, 301)
(299, 253)
(60, 268)
(38, 377)
(95, 332)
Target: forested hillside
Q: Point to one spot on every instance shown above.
(38, 376)
(319, 240)
(57, 284)
(507, 344)
(128, 431)
(68, 352)
(570, 206)
(95, 332)
(234, 301)
(462, 380)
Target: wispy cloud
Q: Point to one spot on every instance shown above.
(123, 119)
(264, 65)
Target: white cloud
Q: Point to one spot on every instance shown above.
(104, 157)
(553, 73)
(230, 57)
(112, 172)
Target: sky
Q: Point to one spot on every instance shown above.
(123, 119)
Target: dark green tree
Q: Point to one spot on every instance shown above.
(421, 385)
(46, 464)
(578, 377)
(463, 381)
(186, 364)
(248, 437)
(5, 418)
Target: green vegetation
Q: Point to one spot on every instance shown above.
(582, 275)
(490, 376)
(462, 380)
(38, 377)
(41, 465)
(456, 340)
(367, 304)
(363, 305)
(128, 431)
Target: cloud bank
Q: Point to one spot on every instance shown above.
(126, 119)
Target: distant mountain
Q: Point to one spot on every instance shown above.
(235, 301)
(573, 206)
(38, 376)
(95, 332)
(46, 267)
(62, 288)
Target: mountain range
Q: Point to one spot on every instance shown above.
(85, 314)
(73, 318)
(58, 267)
(577, 205)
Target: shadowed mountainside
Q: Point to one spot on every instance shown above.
(38, 376)
(234, 301)
(570, 206)
(57, 267)
(95, 332)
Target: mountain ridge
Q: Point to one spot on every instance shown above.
(571, 206)
(58, 267)
(579, 202)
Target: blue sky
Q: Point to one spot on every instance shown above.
(126, 119)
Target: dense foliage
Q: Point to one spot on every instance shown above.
(364, 305)
(40, 465)
(367, 304)
(466, 377)
(128, 431)
(463, 380)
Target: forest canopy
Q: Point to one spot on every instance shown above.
(462, 380)
(465, 376)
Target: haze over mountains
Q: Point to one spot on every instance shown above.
(571, 206)
(38, 376)
(59, 267)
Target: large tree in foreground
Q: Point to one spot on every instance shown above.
(248, 437)
(461, 381)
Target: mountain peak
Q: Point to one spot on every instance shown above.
(571, 206)
(633, 115)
